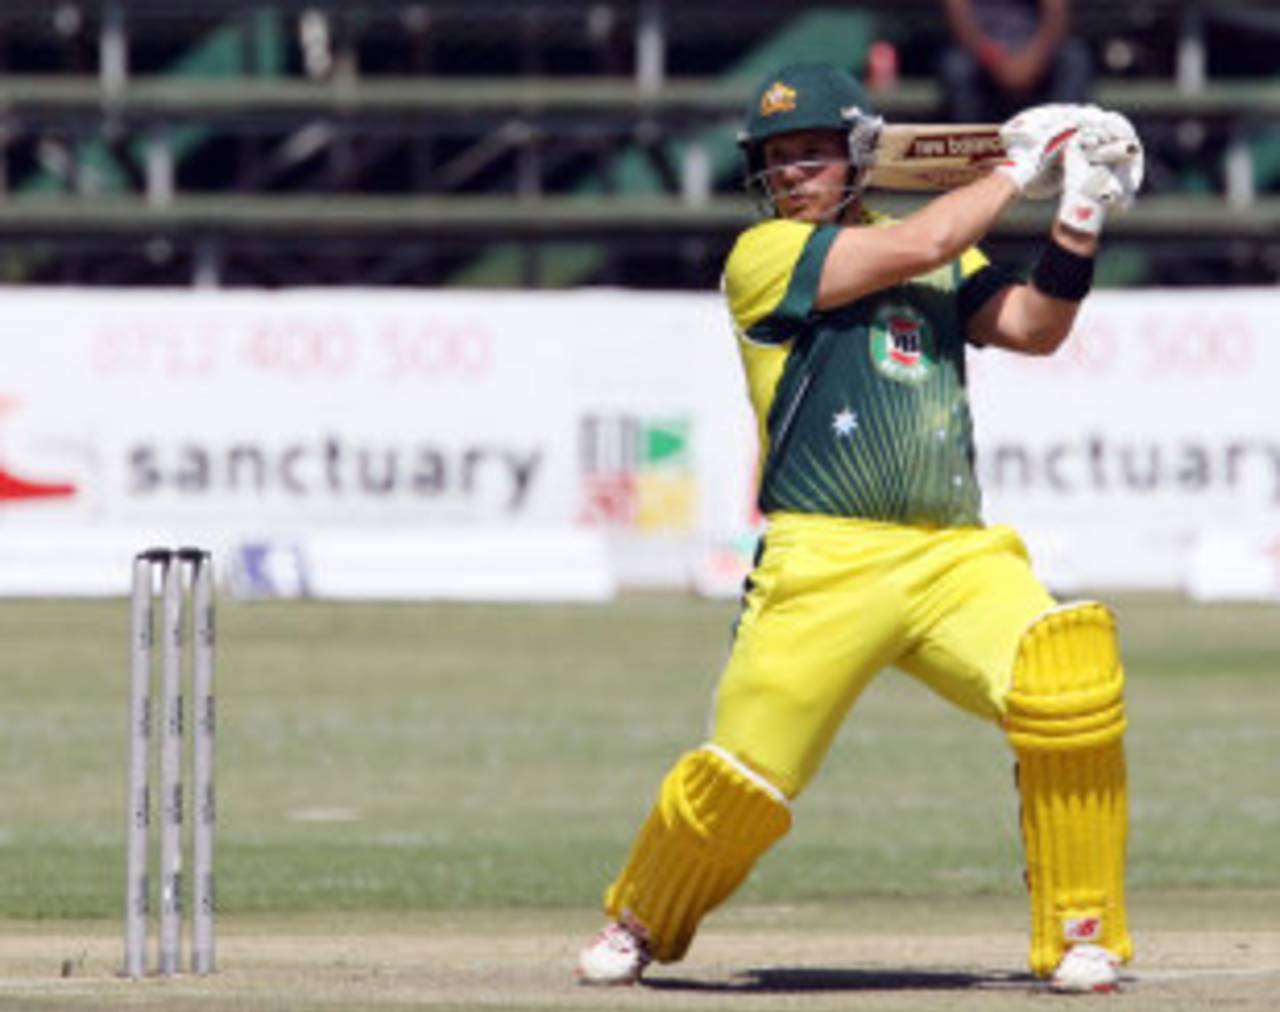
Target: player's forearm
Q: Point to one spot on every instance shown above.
(866, 259)
(1048, 316)
(947, 226)
(1081, 243)
(1036, 318)
(1035, 323)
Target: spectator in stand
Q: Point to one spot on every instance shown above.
(1007, 55)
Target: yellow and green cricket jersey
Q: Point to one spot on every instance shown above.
(862, 410)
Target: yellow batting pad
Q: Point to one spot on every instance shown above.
(1065, 720)
(713, 819)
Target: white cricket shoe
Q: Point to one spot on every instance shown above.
(1086, 968)
(617, 955)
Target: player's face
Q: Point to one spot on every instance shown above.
(806, 173)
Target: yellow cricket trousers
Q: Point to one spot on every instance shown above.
(832, 601)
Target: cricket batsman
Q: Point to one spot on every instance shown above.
(853, 330)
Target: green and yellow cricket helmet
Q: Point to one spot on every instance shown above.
(809, 96)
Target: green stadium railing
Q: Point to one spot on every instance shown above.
(1166, 216)
(196, 98)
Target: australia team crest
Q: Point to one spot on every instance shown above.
(903, 345)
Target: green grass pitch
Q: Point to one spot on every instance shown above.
(439, 756)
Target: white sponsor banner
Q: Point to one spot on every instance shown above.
(334, 441)
(292, 425)
(1146, 452)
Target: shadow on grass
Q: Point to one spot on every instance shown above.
(783, 979)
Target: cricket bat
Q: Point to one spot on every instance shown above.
(934, 156)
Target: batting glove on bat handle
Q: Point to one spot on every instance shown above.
(1034, 141)
(1089, 190)
(1108, 138)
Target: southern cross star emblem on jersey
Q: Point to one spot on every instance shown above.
(844, 422)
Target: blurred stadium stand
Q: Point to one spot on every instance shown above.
(542, 142)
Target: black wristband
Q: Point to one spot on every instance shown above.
(1061, 274)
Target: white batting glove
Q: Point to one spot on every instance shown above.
(1103, 129)
(1097, 180)
(1033, 142)
(1108, 138)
